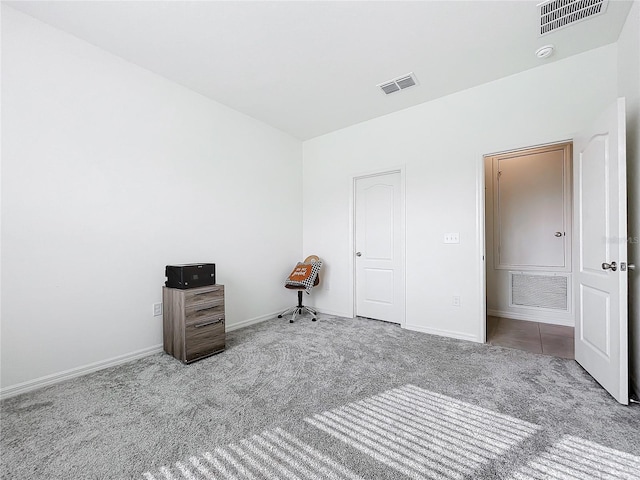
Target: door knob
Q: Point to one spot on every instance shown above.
(358, 254)
(558, 234)
(610, 266)
(625, 266)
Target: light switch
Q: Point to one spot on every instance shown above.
(453, 237)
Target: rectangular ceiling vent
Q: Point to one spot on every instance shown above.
(399, 83)
(557, 14)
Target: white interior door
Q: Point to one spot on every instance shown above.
(600, 272)
(379, 274)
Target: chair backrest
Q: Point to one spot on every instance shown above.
(297, 284)
(313, 259)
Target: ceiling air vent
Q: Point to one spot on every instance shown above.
(556, 14)
(397, 84)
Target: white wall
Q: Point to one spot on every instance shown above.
(629, 87)
(441, 143)
(109, 173)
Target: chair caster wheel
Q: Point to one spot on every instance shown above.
(313, 319)
(279, 316)
(291, 321)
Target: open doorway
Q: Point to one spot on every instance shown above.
(528, 230)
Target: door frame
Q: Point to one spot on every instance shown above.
(481, 234)
(352, 233)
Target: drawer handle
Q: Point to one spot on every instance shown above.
(204, 324)
(206, 294)
(207, 308)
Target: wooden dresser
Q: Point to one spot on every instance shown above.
(193, 322)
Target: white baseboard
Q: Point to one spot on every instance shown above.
(52, 379)
(76, 372)
(540, 318)
(324, 311)
(269, 316)
(251, 321)
(444, 333)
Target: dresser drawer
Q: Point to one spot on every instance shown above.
(204, 338)
(204, 313)
(204, 295)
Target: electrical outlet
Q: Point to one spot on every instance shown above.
(453, 237)
(157, 309)
(456, 301)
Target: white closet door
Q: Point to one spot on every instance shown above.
(379, 270)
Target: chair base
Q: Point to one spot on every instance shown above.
(299, 309)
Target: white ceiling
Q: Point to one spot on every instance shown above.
(309, 68)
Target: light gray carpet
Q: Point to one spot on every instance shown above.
(338, 398)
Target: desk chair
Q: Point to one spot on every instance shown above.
(300, 309)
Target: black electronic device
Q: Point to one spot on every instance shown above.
(190, 276)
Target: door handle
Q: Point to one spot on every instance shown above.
(558, 234)
(358, 254)
(610, 266)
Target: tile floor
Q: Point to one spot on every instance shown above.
(555, 340)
